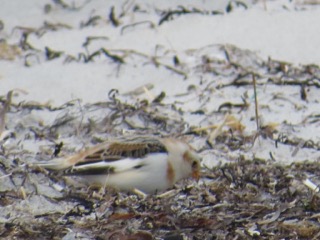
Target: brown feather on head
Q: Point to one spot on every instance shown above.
(194, 160)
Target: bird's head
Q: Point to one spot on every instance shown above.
(183, 158)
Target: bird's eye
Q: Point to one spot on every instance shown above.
(194, 164)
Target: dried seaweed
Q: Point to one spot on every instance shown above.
(168, 15)
(239, 200)
(243, 197)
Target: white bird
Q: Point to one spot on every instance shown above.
(145, 163)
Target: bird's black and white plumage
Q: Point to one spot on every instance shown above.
(145, 163)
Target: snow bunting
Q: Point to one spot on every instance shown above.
(147, 164)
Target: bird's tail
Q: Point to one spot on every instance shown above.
(57, 163)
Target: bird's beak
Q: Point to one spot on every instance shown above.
(196, 175)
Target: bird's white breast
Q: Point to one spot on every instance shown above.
(150, 177)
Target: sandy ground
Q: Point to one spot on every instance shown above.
(239, 81)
